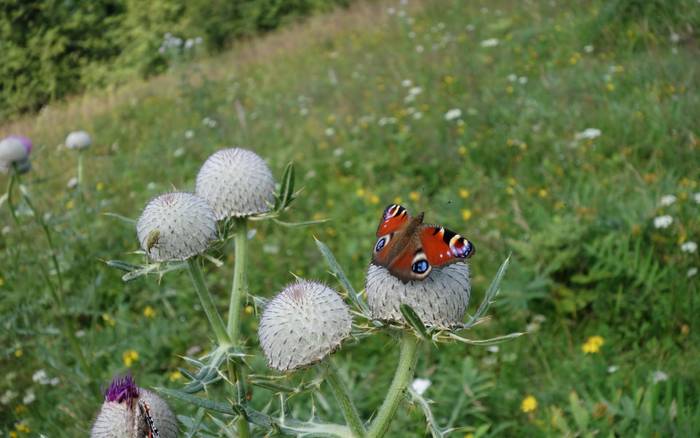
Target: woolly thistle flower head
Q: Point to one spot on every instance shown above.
(176, 226)
(236, 183)
(78, 140)
(302, 325)
(15, 150)
(439, 300)
(132, 412)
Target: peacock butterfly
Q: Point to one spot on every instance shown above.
(410, 249)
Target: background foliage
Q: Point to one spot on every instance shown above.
(52, 48)
(363, 113)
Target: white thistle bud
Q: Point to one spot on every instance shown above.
(132, 412)
(439, 300)
(236, 183)
(13, 151)
(302, 325)
(176, 226)
(78, 140)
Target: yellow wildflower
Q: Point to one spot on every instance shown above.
(107, 318)
(20, 409)
(360, 192)
(70, 204)
(149, 312)
(462, 151)
(469, 435)
(397, 200)
(510, 190)
(414, 196)
(100, 186)
(543, 193)
(463, 193)
(2, 281)
(466, 214)
(374, 199)
(19, 352)
(129, 357)
(610, 86)
(249, 310)
(592, 344)
(529, 404)
(22, 427)
(13, 434)
(174, 375)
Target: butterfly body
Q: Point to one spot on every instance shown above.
(410, 249)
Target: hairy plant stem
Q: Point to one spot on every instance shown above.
(342, 396)
(238, 290)
(80, 169)
(239, 286)
(402, 378)
(205, 298)
(56, 292)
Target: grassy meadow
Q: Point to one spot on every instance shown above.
(565, 133)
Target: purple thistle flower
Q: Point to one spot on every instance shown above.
(122, 389)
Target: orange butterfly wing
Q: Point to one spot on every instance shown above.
(443, 246)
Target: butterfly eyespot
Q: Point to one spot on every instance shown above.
(381, 243)
(420, 267)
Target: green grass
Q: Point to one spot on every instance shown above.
(578, 215)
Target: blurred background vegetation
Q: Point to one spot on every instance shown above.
(53, 48)
(563, 132)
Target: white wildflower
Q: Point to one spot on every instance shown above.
(667, 200)
(29, 397)
(7, 397)
(613, 368)
(421, 385)
(692, 272)
(689, 247)
(696, 197)
(659, 376)
(72, 183)
(189, 134)
(453, 114)
(40, 377)
(330, 132)
(663, 221)
(588, 134)
(491, 42)
(406, 83)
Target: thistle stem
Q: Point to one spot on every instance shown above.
(238, 290)
(10, 186)
(342, 396)
(57, 293)
(402, 377)
(80, 169)
(239, 286)
(205, 298)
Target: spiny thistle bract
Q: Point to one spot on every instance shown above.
(176, 226)
(78, 140)
(440, 300)
(15, 150)
(236, 183)
(132, 412)
(302, 325)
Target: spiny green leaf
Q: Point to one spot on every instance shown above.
(340, 275)
(414, 320)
